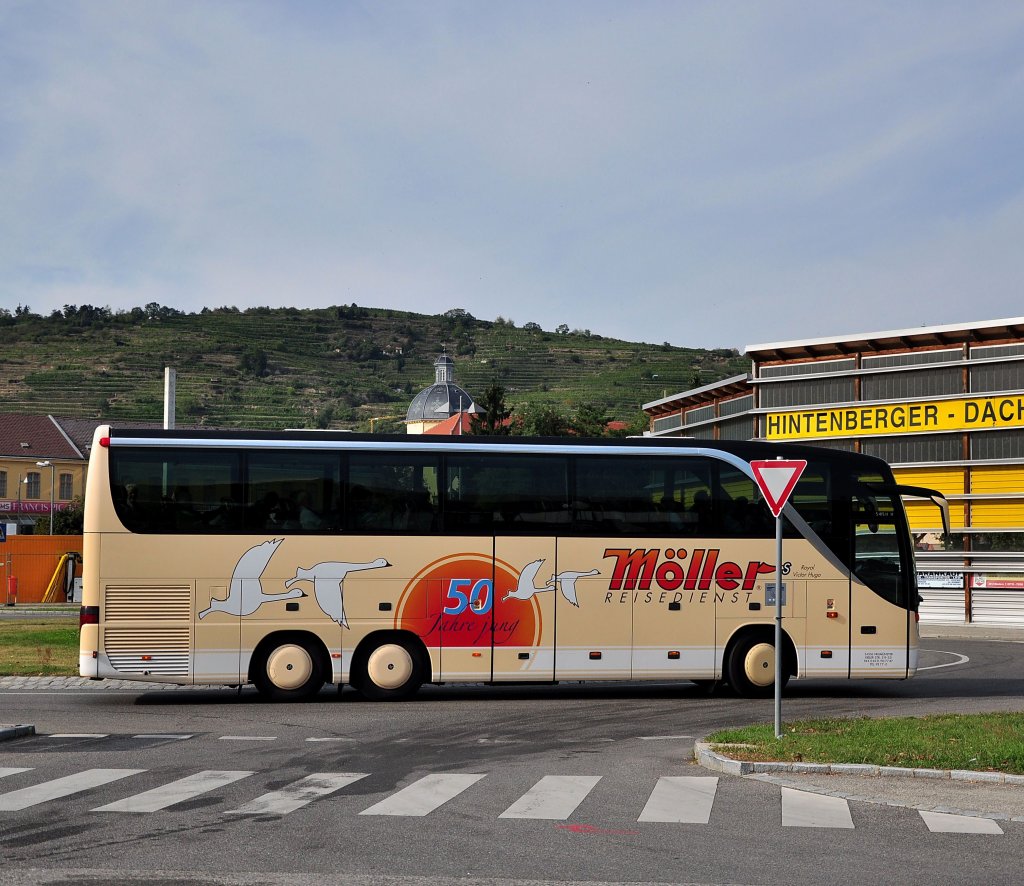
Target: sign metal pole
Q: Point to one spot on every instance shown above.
(778, 626)
(777, 479)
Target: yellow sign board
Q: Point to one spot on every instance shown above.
(918, 417)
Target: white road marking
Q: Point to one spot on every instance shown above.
(13, 770)
(960, 659)
(681, 799)
(332, 738)
(163, 735)
(424, 796)
(175, 792)
(553, 798)
(298, 794)
(664, 737)
(77, 735)
(946, 823)
(801, 809)
(61, 787)
(247, 738)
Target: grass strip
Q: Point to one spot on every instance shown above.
(980, 742)
(45, 647)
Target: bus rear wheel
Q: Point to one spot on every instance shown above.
(391, 671)
(751, 667)
(288, 670)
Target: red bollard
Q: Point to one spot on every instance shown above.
(12, 590)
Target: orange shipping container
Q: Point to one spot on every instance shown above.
(32, 560)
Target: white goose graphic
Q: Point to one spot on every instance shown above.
(525, 588)
(328, 584)
(245, 594)
(567, 583)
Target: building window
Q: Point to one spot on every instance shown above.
(67, 487)
(32, 484)
(3, 484)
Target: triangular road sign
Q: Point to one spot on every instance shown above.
(777, 479)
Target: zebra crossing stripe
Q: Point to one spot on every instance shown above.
(168, 735)
(61, 787)
(78, 735)
(801, 809)
(13, 770)
(553, 798)
(424, 796)
(947, 823)
(298, 794)
(176, 792)
(681, 800)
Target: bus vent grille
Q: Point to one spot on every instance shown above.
(147, 603)
(163, 651)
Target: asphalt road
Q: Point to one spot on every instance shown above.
(562, 784)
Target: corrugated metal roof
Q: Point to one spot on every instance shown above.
(896, 339)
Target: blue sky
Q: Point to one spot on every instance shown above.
(711, 174)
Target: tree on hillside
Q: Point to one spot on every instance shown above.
(589, 420)
(254, 361)
(493, 419)
(542, 420)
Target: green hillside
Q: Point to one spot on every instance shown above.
(333, 367)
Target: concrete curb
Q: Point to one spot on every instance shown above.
(709, 758)
(8, 732)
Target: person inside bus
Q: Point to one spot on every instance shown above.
(185, 515)
(309, 519)
(702, 508)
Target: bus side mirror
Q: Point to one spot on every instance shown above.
(936, 498)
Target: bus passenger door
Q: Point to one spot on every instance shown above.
(524, 609)
(594, 620)
(879, 613)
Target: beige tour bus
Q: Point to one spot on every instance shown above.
(293, 559)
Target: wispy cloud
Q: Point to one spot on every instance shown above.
(658, 171)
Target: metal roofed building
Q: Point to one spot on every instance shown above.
(944, 405)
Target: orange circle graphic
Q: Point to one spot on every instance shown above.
(462, 597)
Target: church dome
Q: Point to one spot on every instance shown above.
(443, 398)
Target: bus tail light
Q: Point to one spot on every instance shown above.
(674, 654)
(595, 656)
(89, 615)
(826, 653)
(832, 614)
(105, 442)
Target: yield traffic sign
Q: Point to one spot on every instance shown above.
(776, 480)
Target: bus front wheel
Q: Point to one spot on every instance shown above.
(288, 670)
(751, 667)
(390, 671)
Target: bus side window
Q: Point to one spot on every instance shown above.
(518, 494)
(384, 496)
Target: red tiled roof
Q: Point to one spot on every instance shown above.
(460, 423)
(35, 436)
